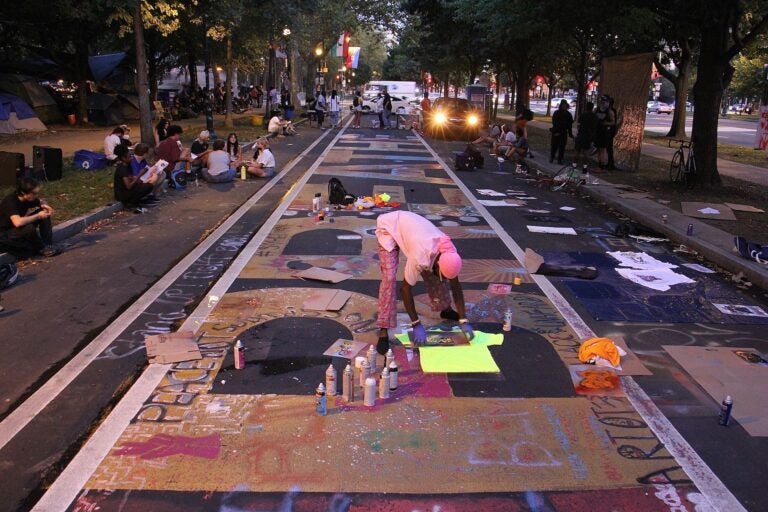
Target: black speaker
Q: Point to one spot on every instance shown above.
(11, 167)
(48, 162)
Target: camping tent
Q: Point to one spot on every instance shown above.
(17, 116)
(34, 94)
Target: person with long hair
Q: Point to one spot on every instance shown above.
(357, 108)
(334, 107)
(160, 131)
(233, 147)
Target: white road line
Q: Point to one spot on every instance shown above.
(702, 476)
(33, 405)
(74, 477)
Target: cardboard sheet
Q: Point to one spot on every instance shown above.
(173, 347)
(630, 363)
(721, 371)
(743, 208)
(552, 230)
(322, 274)
(347, 349)
(694, 209)
(326, 300)
(490, 192)
(460, 359)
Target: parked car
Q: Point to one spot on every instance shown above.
(399, 105)
(660, 107)
(453, 117)
(740, 109)
(555, 102)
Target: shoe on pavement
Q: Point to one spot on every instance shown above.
(50, 251)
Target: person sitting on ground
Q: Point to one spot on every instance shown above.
(519, 149)
(493, 136)
(506, 140)
(129, 189)
(25, 222)
(220, 168)
(200, 150)
(173, 152)
(279, 127)
(111, 141)
(265, 162)
(233, 148)
(141, 169)
(160, 130)
(127, 135)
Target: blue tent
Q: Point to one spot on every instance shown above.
(17, 116)
(103, 65)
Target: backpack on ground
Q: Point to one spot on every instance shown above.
(178, 178)
(337, 194)
(9, 272)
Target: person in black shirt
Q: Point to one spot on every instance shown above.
(129, 189)
(587, 128)
(25, 222)
(562, 128)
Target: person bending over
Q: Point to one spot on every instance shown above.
(25, 222)
(431, 255)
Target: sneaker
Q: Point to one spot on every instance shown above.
(50, 251)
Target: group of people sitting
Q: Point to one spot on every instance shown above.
(506, 143)
(139, 182)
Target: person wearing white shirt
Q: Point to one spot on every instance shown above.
(265, 163)
(380, 109)
(334, 107)
(111, 141)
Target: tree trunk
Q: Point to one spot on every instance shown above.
(446, 85)
(522, 85)
(708, 93)
(145, 114)
(228, 120)
(677, 130)
(192, 70)
(581, 82)
(152, 78)
(551, 81)
(81, 59)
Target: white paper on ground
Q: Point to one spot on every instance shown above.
(349, 237)
(699, 268)
(639, 260)
(550, 229)
(660, 279)
(538, 211)
(709, 211)
(741, 310)
(567, 208)
(489, 192)
(496, 202)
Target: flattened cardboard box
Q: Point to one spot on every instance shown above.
(327, 300)
(173, 347)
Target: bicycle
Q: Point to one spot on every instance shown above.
(569, 176)
(682, 168)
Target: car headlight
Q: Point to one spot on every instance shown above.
(472, 120)
(440, 118)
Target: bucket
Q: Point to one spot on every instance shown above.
(71, 119)
(257, 120)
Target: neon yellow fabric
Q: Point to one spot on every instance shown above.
(457, 359)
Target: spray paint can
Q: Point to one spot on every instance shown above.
(371, 355)
(321, 401)
(317, 202)
(518, 169)
(500, 161)
(389, 358)
(369, 397)
(239, 353)
(347, 385)
(384, 384)
(507, 326)
(725, 411)
(330, 380)
(393, 372)
(664, 219)
(689, 231)
(364, 372)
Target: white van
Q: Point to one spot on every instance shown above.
(407, 90)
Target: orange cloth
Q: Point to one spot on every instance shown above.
(603, 347)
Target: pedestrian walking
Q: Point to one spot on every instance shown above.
(430, 254)
(380, 109)
(562, 128)
(357, 108)
(334, 107)
(387, 110)
(321, 104)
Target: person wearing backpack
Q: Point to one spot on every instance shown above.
(430, 255)
(357, 108)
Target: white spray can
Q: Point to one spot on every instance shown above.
(330, 380)
(371, 355)
(393, 371)
(389, 358)
(239, 353)
(321, 401)
(369, 398)
(364, 372)
(384, 384)
(346, 380)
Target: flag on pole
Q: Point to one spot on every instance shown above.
(346, 45)
(340, 45)
(353, 57)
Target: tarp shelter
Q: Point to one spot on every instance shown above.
(110, 109)
(103, 65)
(16, 116)
(34, 94)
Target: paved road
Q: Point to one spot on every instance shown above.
(730, 131)
(528, 437)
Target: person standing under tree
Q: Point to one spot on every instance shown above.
(606, 131)
(334, 107)
(357, 108)
(586, 135)
(562, 128)
(387, 110)
(430, 254)
(321, 104)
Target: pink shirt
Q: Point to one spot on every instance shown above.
(416, 237)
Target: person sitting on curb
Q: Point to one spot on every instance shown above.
(518, 151)
(129, 189)
(174, 153)
(265, 163)
(431, 255)
(220, 169)
(142, 170)
(25, 222)
(111, 141)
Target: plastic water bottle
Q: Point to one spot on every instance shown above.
(725, 411)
